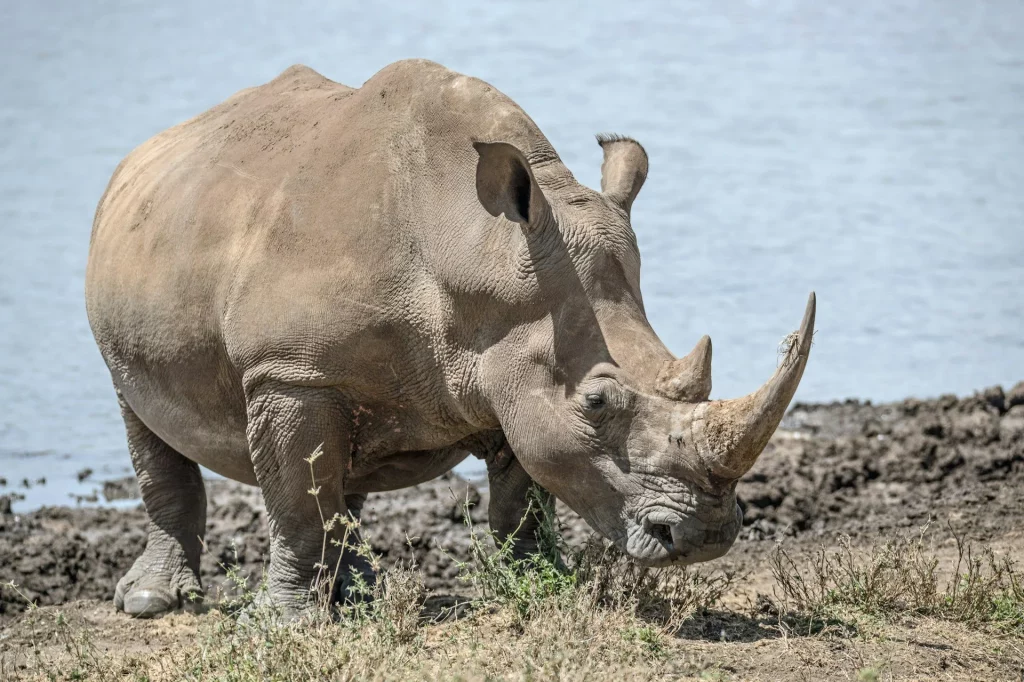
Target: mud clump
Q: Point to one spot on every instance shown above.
(849, 467)
(59, 554)
(126, 488)
(855, 467)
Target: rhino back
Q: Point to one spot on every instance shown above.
(308, 232)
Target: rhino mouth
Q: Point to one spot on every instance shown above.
(666, 537)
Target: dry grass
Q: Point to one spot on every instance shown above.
(565, 634)
(584, 614)
(839, 613)
(900, 579)
(596, 574)
(561, 614)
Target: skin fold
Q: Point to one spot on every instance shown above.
(401, 275)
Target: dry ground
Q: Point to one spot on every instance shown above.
(744, 636)
(849, 477)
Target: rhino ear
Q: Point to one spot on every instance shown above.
(505, 184)
(624, 169)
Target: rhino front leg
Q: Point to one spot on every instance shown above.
(286, 425)
(509, 511)
(166, 576)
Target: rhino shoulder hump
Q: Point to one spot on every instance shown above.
(299, 77)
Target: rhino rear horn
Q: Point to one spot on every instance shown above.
(689, 378)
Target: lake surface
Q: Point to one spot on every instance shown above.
(870, 151)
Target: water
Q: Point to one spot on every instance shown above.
(871, 151)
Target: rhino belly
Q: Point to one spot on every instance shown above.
(195, 410)
(174, 374)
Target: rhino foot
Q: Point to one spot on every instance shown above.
(146, 593)
(267, 609)
(285, 603)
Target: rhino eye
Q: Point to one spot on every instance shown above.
(595, 401)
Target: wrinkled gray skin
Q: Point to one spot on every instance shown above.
(405, 273)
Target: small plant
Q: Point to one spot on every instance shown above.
(984, 589)
(869, 674)
(82, 660)
(325, 584)
(900, 578)
(596, 575)
(523, 585)
(16, 589)
(651, 637)
(235, 594)
(667, 596)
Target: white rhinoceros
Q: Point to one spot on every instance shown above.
(405, 274)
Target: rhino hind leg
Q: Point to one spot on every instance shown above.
(166, 576)
(509, 511)
(286, 425)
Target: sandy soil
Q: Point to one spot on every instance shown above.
(853, 468)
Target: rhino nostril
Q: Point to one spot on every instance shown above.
(663, 534)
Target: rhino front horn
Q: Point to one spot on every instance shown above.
(732, 433)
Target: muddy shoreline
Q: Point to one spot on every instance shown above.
(846, 467)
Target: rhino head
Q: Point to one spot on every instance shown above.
(596, 408)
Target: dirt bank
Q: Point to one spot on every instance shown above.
(846, 467)
(866, 469)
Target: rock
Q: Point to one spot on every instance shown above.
(994, 396)
(84, 474)
(1015, 396)
(1011, 426)
(977, 426)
